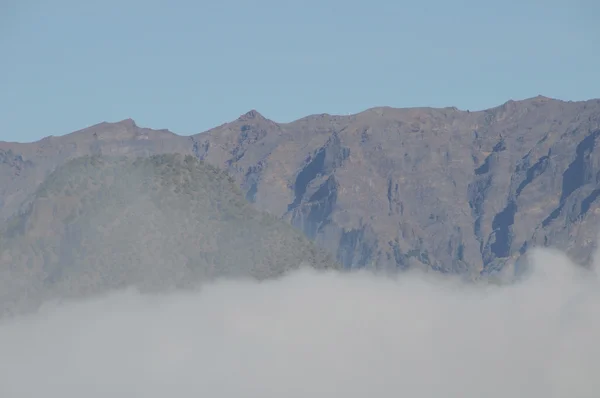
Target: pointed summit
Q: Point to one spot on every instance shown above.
(127, 123)
(252, 115)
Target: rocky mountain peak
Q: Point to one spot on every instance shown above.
(251, 115)
(128, 123)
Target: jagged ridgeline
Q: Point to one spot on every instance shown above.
(159, 222)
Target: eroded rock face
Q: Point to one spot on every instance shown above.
(453, 190)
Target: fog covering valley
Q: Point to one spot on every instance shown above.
(153, 276)
(332, 199)
(319, 334)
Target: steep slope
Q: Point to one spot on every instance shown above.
(453, 190)
(15, 180)
(158, 222)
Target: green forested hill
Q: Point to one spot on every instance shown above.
(160, 222)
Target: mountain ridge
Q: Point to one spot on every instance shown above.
(255, 114)
(449, 189)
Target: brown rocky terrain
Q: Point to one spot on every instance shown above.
(453, 190)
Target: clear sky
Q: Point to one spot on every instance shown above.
(191, 65)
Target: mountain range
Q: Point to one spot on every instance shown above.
(440, 188)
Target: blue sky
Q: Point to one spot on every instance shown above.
(192, 65)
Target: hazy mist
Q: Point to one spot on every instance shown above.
(316, 334)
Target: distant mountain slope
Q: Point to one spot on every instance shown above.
(457, 191)
(111, 139)
(99, 223)
(453, 190)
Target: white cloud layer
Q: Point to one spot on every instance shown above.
(318, 335)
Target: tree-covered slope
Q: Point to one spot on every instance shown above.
(159, 222)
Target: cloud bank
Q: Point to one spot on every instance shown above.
(318, 335)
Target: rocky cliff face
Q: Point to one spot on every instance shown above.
(452, 190)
